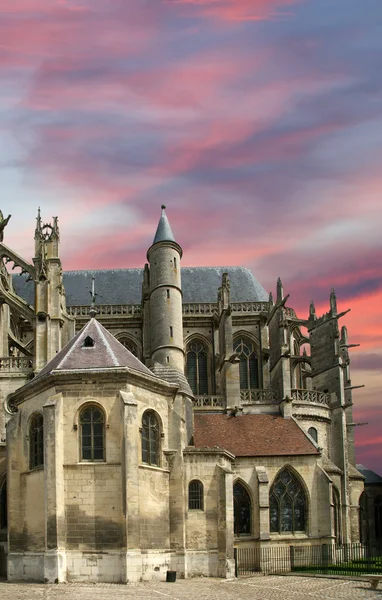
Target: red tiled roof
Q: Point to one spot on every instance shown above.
(251, 435)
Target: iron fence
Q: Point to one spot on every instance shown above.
(327, 559)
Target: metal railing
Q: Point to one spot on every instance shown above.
(314, 396)
(328, 559)
(259, 396)
(208, 402)
(16, 364)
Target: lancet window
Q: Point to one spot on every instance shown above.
(312, 431)
(287, 504)
(242, 510)
(197, 367)
(150, 435)
(249, 364)
(36, 441)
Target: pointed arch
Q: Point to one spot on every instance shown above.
(198, 359)
(242, 509)
(245, 347)
(151, 438)
(129, 342)
(336, 501)
(288, 503)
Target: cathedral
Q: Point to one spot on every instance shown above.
(156, 419)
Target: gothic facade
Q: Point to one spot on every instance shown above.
(184, 413)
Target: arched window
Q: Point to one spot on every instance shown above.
(150, 439)
(249, 364)
(287, 504)
(337, 515)
(197, 367)
(378, 518)
(195, 495)
(312, 431)
(92, 434)
(3, 504)
(36, 441)
(129, 345)
(242, 510)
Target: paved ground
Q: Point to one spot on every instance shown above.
(253, 588)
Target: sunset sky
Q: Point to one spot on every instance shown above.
(257, 122)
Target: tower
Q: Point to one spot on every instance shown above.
(165, 297)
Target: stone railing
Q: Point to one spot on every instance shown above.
(200, 308)
(16, 364)
(208, 402)
(107, 310)
(314, 396)
(249, 307)
(259, 396)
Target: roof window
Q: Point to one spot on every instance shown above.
(88, 342)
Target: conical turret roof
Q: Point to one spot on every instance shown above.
(163, 233)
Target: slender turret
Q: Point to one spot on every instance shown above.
(166, 297)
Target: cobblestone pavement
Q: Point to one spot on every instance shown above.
(253, 588)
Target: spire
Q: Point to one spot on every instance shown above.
(312, 309)
(163, 233)
(93, 294)
(280, 291)
(333, 302)
(38, 230)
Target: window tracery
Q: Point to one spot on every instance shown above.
(287, 504)
(249, 364)
(197, 367)
(150, 435)
(242, 508)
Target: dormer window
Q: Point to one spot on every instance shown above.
(88, 342)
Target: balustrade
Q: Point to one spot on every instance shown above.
(259, 396)
(130, 310)
(208, 402)
(314, 396)
(16, 364)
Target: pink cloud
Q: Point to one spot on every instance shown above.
(236, 10)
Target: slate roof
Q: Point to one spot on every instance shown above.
(163, 232)
(172, 375)
(106, 353)
(123, 286)
(251, 435)
(371, 478)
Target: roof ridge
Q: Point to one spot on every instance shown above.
(107, 344)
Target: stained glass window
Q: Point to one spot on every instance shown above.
(197, 368)
(92, 431)
(150, 439)
(249, 364)
(36, 441)
(242, 507)
(195, 495)
(287, 504)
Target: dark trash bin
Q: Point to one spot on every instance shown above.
(171, 576)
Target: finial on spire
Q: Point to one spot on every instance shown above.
(163, 207)
(333, 302)
(280, 291)
(93, 294)
(3, 223)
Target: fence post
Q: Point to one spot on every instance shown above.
(235, 559)
(291, 551)
(325, 555)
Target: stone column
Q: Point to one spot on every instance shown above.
(226, 563)
(55, 556)
(130, 486)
